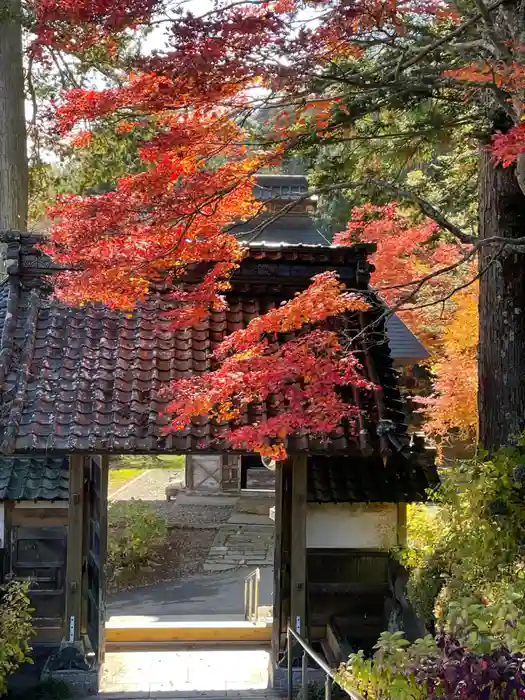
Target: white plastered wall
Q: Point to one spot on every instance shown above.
(351, 526)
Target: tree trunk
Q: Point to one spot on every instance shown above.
(13, 154)
(501, 360)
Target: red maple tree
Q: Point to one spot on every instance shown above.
(191, 102)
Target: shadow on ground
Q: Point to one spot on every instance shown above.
(199, 595)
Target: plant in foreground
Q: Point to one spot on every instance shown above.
(438, 669)
(15, 629)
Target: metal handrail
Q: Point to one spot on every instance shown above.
(291, 635)
(251, 596)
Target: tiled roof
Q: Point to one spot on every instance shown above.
(89, 379)
(341, 480)
(34, 478)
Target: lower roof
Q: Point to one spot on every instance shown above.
(330, 479)
(34, 478)
(342, 480)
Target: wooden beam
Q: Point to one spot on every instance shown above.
(298, 546)
(74, 549)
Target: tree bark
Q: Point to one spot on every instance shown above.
(13, 153)
(501, 361)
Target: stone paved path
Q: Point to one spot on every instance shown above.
(241, 545)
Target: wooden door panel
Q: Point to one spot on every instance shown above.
(205, 472)
(39, 555)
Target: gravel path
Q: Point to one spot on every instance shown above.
(149, 487)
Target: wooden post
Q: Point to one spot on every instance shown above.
(402, 524)
(85, 548)
(298, 546)
(74, 548)
(6, 564)
(277, 564)
(104, 481)
(188, 473)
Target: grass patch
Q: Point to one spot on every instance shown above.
(137, 538)
(119, 477)
(126, 467)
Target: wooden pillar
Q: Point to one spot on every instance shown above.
(278, 560)
(6, 553)
(85, 547)
(104, 483)
(298, 546)
(74, 548)
(188, 473)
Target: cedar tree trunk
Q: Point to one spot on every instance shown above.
(501, 360)
(13, 155)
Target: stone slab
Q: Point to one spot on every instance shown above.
(237, 518)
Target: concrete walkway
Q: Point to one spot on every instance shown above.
(195, 598)
(262, 694)
(187, 673)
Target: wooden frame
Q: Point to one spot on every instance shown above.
(298, 547)
(75, 539)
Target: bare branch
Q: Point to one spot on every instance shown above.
(503, 50)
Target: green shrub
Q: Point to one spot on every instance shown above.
(16, 629)
(136, 532)
(468, 548)
(391, 673)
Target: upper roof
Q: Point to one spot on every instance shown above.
(297, 227)
(283, 187)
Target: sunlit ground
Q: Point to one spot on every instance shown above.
(175, 671)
